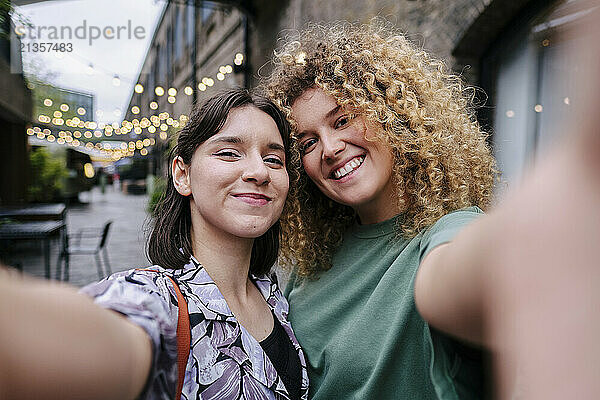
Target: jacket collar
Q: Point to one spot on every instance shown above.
(210, 296)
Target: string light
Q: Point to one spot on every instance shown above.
(105, 149)
(239, 59)
(208, 81)
(71, 138)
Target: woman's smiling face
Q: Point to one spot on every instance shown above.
(237, 178)
(338, 158)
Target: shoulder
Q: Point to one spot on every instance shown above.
(455, 218)
(138, 294)
(446, 228)
(150, 280)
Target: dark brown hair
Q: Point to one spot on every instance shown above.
(169, 244)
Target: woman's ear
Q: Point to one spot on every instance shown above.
(181, 176)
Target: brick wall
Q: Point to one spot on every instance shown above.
(458, 31)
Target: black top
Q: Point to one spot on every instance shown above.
(283, 355)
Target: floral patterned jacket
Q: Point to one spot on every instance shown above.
(225, 361)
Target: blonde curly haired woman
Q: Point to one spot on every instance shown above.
(393, 164)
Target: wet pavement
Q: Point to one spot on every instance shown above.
(126, 238)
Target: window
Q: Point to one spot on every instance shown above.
(208, 7)
(191, 23)
(532, 85)
(178, 32)
(157, 67)
(168, 58)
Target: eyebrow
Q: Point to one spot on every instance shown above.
(237, 140)
(329, 114)
(225, 139)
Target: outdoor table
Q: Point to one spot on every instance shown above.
(34, 212)
(44, 231)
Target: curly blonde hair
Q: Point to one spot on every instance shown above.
(442, 158)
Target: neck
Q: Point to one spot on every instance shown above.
(383, 207)
(226, 259)
(375, 213)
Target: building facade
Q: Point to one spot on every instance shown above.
(198, 48)
(508, 48)
(15, 114)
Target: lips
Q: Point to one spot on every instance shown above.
(255, 199)
(347, 167)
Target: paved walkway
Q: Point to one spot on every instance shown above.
(126, 239)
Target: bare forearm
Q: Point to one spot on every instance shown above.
(55, 343)
(524, 280)
(450, 290)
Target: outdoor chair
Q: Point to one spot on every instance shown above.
(91, 241)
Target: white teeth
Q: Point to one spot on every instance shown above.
(349, 167)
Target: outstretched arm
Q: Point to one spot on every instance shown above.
(57, 344)
(525, 279)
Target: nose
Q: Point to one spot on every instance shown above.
(256, 171)
(332, 146)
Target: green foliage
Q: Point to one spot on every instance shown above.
(5, 9)
(160, 185)
(8, 12)
(47, 173)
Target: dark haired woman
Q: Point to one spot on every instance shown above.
(216, 234)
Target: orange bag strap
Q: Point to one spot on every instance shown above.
(184, 339)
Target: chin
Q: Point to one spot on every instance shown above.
(250, 234)
(252, 229)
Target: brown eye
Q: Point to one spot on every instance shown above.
(342, 121)
(274, 160)
(307, 145)
(227, 155)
